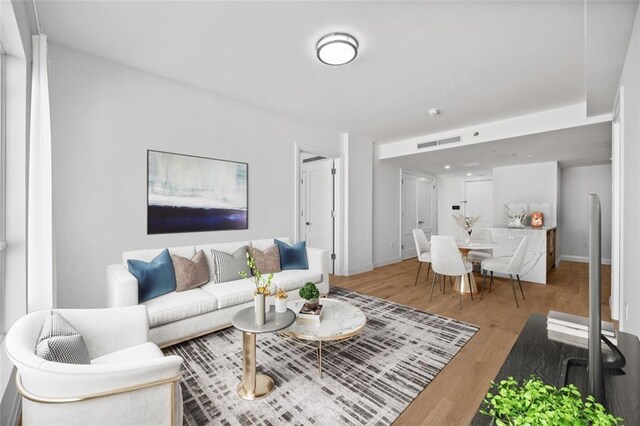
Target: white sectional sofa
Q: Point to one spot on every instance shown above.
(180, 316)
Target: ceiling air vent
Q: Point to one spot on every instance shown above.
(449, 140)
(439, 142)
(427, 144)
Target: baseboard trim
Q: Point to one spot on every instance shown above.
(387, 261)
(582, 259)
(360, 269)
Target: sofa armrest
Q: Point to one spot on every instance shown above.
(122, 287)
(319, 262)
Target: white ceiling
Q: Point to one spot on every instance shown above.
(476, 61)
(577, 146)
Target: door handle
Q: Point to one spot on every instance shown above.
(420, 222)
(307, 223)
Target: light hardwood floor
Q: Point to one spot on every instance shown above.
(453, 397)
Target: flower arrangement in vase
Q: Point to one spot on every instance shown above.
(263, 290)
(466, 222)
(516, 218)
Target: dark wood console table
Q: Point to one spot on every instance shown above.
(534, 353)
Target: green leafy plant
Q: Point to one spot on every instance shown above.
(535, 403)
(262, 283)
(309, 291)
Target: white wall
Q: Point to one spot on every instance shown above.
(104, 118)
(386, 211)
(630, 286)
(526, 183)
(577, 184)
(358, 151)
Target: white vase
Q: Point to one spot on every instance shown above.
(281, 305)
(267, 304)
(260, 309)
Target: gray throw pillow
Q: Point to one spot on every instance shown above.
(190, 273)
(267, 260)
(227, 266)
(60, 342)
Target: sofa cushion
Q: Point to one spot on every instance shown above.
(175, 306)
(190, 273)
(231, 293)
(155, 278)
(294, 278)
(225, 247)
(292, 256)
(142, 352)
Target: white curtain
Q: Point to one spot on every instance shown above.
(40, 251)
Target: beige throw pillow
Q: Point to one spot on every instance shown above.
(190, 273)
(267, 260)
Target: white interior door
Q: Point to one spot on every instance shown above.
(316, 196)
(425, 189)
(409, 215)
(417, 210)
(479, 201)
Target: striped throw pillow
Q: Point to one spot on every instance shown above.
(227, 267)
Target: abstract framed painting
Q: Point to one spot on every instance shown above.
(186, 193)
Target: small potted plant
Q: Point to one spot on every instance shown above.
(281, 300)
(535, 403)
(311, 294)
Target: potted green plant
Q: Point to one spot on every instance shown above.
(535, 403)
(310, 293)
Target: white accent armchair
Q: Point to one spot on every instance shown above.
(129, 380)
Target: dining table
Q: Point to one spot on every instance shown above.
(466, 283)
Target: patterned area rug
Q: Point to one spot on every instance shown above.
(369, 379)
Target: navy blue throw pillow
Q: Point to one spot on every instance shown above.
(292, 256)
(155, 278)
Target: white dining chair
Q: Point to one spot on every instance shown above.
(447, 261)
(477, 256)
(423, 248)
(506, 265)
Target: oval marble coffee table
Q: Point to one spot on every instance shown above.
(256, 386)
(340, 321)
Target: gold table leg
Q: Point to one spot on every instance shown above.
(253, 386)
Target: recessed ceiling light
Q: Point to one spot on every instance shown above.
(447, 166)
(433, 111)
(468, 174)
(337, 49)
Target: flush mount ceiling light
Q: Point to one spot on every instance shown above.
(447, 166)
(337, 49)
(433, 111)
